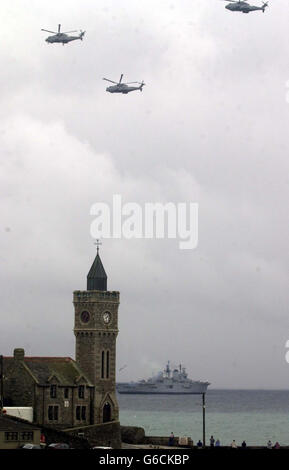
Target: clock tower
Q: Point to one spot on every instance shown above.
(96, 329)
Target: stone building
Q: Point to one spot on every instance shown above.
(67, 393)
(15, 432)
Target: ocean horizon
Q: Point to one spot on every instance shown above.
(253, 415)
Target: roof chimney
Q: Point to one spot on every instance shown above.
(19, 354)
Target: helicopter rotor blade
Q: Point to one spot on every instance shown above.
(111, 81)
(59, 26)
(120, 78)
(66, 32)
(47, 30)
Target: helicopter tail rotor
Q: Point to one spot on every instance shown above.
(265, 4)
(82, 33)
(141, 85)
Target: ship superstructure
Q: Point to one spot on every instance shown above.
(172, 382)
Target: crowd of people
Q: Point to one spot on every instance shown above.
(233, 445)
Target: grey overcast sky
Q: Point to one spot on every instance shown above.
(211, 127)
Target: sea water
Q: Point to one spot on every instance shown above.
(251, 415)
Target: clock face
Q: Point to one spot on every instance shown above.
(85, 316)
(106, 317)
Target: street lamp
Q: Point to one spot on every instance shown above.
(204, 420)
(2, 387)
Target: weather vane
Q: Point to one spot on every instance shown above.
(97, 243)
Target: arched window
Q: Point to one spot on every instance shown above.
(106, 413)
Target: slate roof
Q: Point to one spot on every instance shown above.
(14, 424)
(43, 369)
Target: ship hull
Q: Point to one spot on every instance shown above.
(136, 390)
(129, 392)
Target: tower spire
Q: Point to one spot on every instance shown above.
(97, 278)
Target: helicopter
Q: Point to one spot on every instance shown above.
(62, 37)
(123, 87)
(243, 6)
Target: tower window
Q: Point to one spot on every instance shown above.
(66, 392)
(53, 391)
(102, 365)
(107, 364)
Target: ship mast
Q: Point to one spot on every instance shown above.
(168, 370)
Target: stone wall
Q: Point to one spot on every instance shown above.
(163, 441)
(105, 434)
(136, 435)
(132, 435)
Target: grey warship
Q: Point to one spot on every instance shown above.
(167, 382)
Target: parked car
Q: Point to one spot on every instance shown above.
(101, 447)
(30, 446)
(58, 445)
